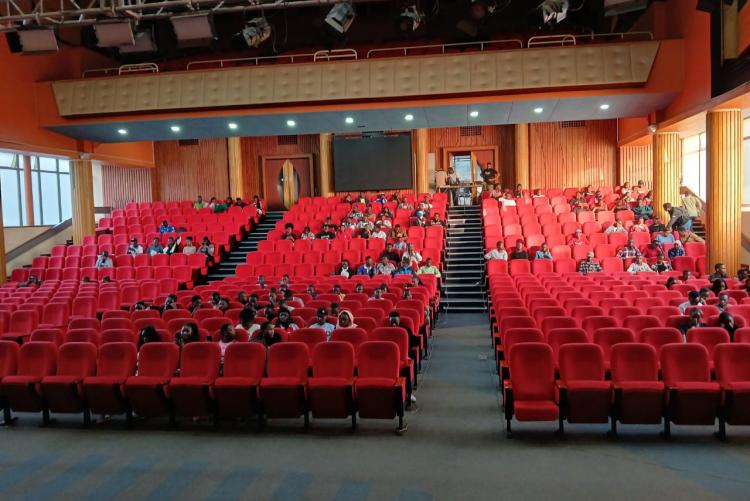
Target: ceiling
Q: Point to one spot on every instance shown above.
(363, 120)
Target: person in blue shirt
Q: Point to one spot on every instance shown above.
(404, 269)
(677, 251)
(166, 227)
(367, 268)
(643, 209)
(543, 252)
(321, 322)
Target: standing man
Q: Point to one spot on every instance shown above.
(692, 205)
(452, 181)
(489, 176)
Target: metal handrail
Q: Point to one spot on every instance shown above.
(442, 47)
(329, 55)
(99, 72)
(621, 35)
(138, 68)
(544, 40)
(254, 60)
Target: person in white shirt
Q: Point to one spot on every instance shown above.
(321, 322)
(247, 321)
(638, 266)
(384, 267)
(228, 336)
(135, 248)
(508, 200)
(378, 233)
(498, 252)
(615, 228)
(344, 270)
(412, 255)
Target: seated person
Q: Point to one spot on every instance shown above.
(391, 253)
(166, 227)
(615, 228)
(379, 233)
(289, 232)
(643, 209)
(366, 268)
(720, 272)
(578, 238)
(348, 199)
(405, 268)
(639, 226)
(436, 221)
(657, 226)
(518, 192)
(429, 269)
(687, 236)
(344, 270)
(412, 255)
(257, 204)
(361, 198)
(694, 299)
(661, 265)
(498, 252)
(397, 232)
(519, 251)
(327, 233)
(384, 267)
(381, 199)
(508, 200)
(134, 248)
(321, 322)
(599, 204)
(400, 244)
(33, 280)
(307, 234)
(155, 247)
(652, 250)
(207, 248)
(284, 321)
(103, 261)
(199, 203)
(676, 251)
(543, 252)
(664, 237)
(189, 249)
(227, 336)
(638, 266)
(620, 205)
(629, 250)
(497, 192)
(589, 265)
(172, 246)
(365, 233)
(267, 335)
(537, 194)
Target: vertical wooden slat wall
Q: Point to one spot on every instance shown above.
(724, 200)
(573, 156)
(253, 148)
(522, 155)
(82, 184)
(236, 166)
(121, 185)
(667, 156)
(636, 163)
(190, 170)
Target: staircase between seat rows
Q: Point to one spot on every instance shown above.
(463, 284)
(228, 266)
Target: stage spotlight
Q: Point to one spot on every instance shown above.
(256, 32)
(410, 18)
(114, 34)
(554, 11)
(193, 30)
(144, 43)
(35, 40)
(340, 17)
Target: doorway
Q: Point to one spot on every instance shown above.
(286, 178)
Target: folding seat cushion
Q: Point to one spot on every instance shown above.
(190, 392)
(22, 389)
(732, 362)
(284, 391)
(584, 395)
(332, 382)
(607, 337)
(236, 392)
(530, 394)
(157, 364)
(709, 337)
(639, 395)
(380, 391)
(692, 398)
(63, 392)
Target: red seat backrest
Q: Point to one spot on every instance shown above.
(378, 359)
(288, 359)
(77, 359)
(581, 362)
(333, 359)
(709, 337)
(37, 359)
(246, 360)
(200, 360)
(685, 363)
(8, 358)
(532, 371)
(158, 360)
(634, 362)
(731, 362)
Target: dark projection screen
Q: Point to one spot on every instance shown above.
(371, 163)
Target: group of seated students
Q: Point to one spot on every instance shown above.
(224, 205)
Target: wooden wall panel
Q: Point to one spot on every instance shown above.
(187, 171)
(636, 163)
(573, 156)
(121, 185)
(254, 148)
(502, 136)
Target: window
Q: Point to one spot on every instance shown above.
(694, 164)
(50, 178)
(12, 188)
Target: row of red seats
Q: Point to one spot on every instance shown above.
(610, 265)
(686, 394)
(340, 244)
(83, 379)
(299, 271)
(333, 257)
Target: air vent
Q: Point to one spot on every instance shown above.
(188, 142)
(473, 130)
(287, 140)
(572, 124)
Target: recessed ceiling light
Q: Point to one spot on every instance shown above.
(232, 125)
(349, 120)
(175, 128)
(409, 117)
(291, 123)
(538, 110)
(604, 106)
(474, 114)
(122, 132)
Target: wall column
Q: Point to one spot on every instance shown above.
(325, 165)
(522, 157)
(423, 168)
(28, 191)
(3, 264)
(724, 194)
(236, 168)
(82, 187)
(667, 158)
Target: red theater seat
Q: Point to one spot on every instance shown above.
(332, 382)
(284, 391)
(190, 393)
(157, 363)
(380, 390)
(638, 393)
(530, 395)
(22, 389)
(236, 392)
(63, 392)
(732, 363)
(584, 395)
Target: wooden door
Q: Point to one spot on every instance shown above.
(286, 179)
